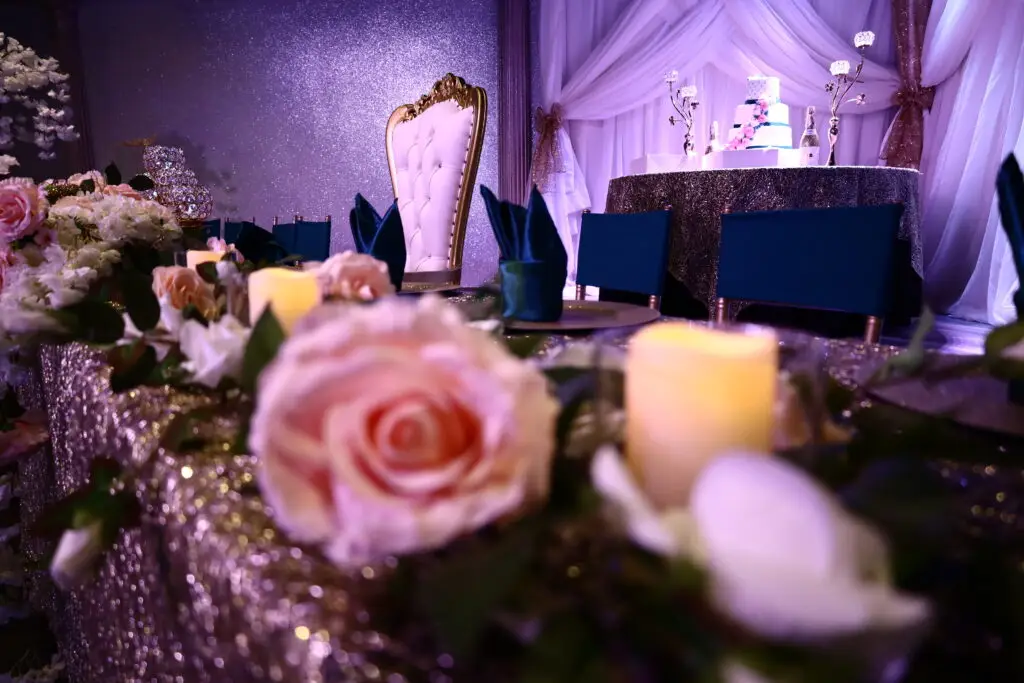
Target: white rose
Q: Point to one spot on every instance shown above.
(394, 428)
(785, 560)
(214, 351)
(165, 336)
(76, 555)
(7, 162)
(349, 276)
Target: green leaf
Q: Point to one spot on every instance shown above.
(289, 260)
(1002, 338)
(181, 434)
(113, 174)
(564, 650)
(264, 341)
(913, 358)
(141, 257)
(208, 271)
(192, 312)
(525, 346)
(94, 322)
(141, 183)
(88, 185)
(461, 594)
(140, 301)
(131, 364)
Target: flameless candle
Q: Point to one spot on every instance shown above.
(289, 293)
(692, 394)
(194, 258)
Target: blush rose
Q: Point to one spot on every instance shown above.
(349, 276)
(22, 210)
(394, 428)
(183, 286)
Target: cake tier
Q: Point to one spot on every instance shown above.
(778, 113)
(752, 158)
(763, 88)
(769, 135)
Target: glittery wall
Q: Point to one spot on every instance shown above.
(281, 106)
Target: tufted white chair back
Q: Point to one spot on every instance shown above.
(433, 150)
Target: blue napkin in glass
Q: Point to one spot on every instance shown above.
(533, 261)
(381, 238)
(1010, 188)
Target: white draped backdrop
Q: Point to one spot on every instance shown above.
(604, 62)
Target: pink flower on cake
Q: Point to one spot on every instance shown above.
(349, 276)
(762, 118)
(748, 131)
(394, 428)
(22, 209)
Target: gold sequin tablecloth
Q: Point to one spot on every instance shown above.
(699, 198)
(207, 589)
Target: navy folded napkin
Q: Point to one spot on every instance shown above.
(1010, 188)
(533, 261)
(381, 238)
(258, 245)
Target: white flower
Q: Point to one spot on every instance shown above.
(864, 39)
(76, 555)
(165, 336)
(394, 428)
(785, 559)
(840, 67)
(7, 162)
(688, 91)
(214, 351)
(671, 77)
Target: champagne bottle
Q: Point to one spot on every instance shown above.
(809, 144)
(713, 144)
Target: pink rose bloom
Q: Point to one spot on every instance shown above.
(395, 428)
(22, 209)
(123, 189)
(95, 176)
(748, 131)
(354, 277)
(762, 118)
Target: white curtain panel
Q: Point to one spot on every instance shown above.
(604, 62)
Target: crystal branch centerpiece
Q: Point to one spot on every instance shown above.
(684, 101)
(841, 84)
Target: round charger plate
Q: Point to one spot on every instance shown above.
(980, 402)
(590, 315)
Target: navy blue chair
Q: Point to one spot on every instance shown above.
(627, 252)
(285, 235)
(211, 228)
(838, 259)
(313, 239)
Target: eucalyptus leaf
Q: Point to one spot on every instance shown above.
(266, 337)
(140, 301)
(208, 271)
(90, 321)
(113, 174)
(141, 183)
(461, 595)
(131, 364)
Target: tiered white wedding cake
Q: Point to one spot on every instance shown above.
(761, 134)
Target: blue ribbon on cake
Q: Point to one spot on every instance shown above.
(379, 236)
(533, 262)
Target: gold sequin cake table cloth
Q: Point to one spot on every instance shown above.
(699, 198)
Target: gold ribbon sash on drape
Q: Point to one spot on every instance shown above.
(547, 156)
(905, 142)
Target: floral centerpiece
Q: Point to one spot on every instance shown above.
(36, 86)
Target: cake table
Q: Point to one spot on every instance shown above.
(699, 198)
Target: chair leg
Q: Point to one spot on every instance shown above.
(873, 329)
(654, 302)
(581, 292)
(721, 311)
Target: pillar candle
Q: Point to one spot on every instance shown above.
(289, 293)
(194, 258)
(693, 393)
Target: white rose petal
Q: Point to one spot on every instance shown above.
(214, 351)
(76, 555)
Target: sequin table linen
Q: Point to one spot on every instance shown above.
(208, 589)
(699, 198)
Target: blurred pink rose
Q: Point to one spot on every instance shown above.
(7, 259)
(123, 189)
(762, 118)
(349, 276)
(748, 131)
(22, 209)
(394, 428)
(96, 177)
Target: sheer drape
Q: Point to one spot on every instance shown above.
(603, 61)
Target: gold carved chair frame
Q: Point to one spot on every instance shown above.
(451, 87)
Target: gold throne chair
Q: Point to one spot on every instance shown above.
(433, 148)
